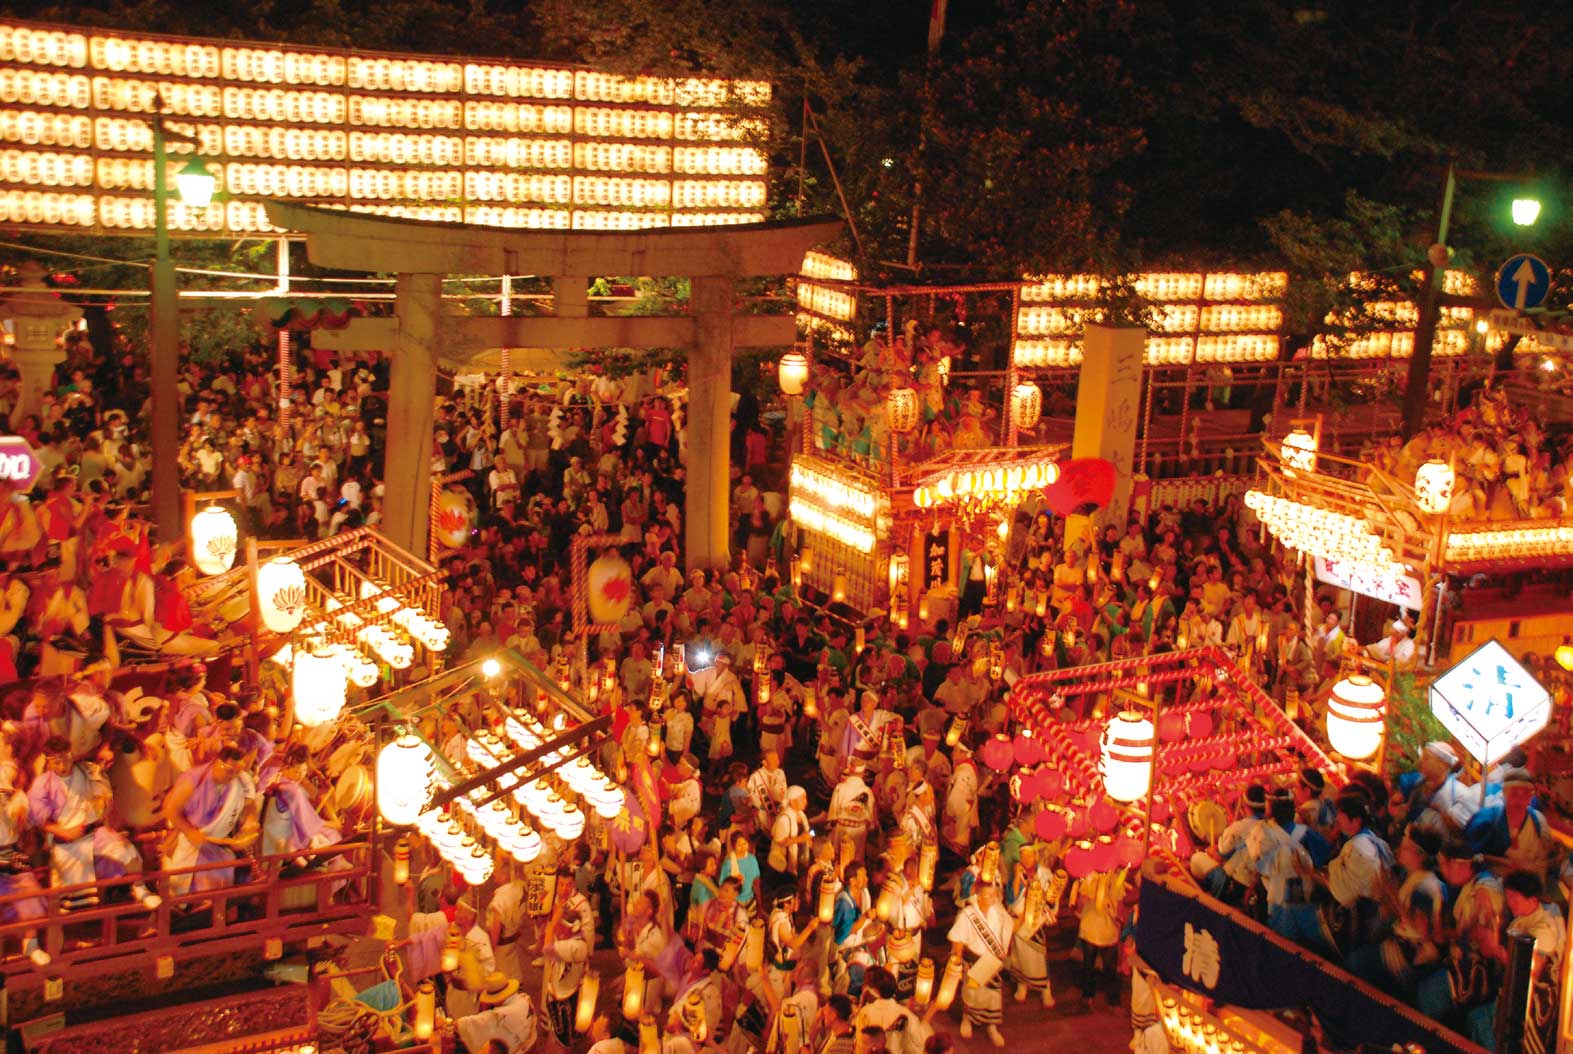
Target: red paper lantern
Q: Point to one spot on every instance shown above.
(1161, 813)
(1079, 828)
(1027, 748)
(1102, 817)
(1224, 762)
(1051, 783)
(1127, 851)
(1078, 860)
(1024, 787)
(1102, 854)
(997, 752)
(1171, 728)
(1050, 825)
(1199, 724)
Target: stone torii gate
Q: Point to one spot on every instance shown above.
(420, 337)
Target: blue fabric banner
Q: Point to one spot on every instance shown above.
(1195, 942)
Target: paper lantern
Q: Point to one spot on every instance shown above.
(450, 952)
(732, 949)
(1127, 852)
(901, 406)
(1298, 451)
(281, 594)
(633, 991)
(1127, 751)
(1171, 728)
(997, 753)
(1199, 724)
(923, 987)
(1101, 817)
(649, 1036)
(1051, 783)
(792, 373)
(589, 992)
(454, 518)
(404, 769)
(611, 586)
(885, 905)
(754, 946)
(425, 1011)
(1050, 825)
(1027, 748)
(950, 982)
(838, 589)
(1078, 860)
(1434, 486)
(928, 860)
(213, 540)
(318, 685)
(1026, 405)
(1101, 855)
(401, 861)
(957, 729)
(1356, 717)
(1024, 788)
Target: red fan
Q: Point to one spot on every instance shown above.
(1085, 484)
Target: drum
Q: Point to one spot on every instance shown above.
(874, 940)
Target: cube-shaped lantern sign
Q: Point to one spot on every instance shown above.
(1490, 703)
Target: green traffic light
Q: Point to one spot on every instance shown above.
(1526, 211)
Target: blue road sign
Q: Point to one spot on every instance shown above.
(1523, 282)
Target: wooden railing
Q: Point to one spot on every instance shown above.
(273, 899)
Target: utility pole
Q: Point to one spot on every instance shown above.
(936, 35)
(1437, 257)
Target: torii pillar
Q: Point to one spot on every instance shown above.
(422, 339)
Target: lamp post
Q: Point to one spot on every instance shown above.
(1525, 211)
(195, 184)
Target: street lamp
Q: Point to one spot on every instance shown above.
(1526, 211)
(195, 184)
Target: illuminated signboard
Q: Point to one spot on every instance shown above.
(1490, 703)
(467, 141)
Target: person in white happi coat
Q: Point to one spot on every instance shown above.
(687, 795)
(1039, 887)
(983, 932)
(1441, 801)
(851, 809)
(790, 838)
(960, 819)
(565, 952)
(767, 787)
(505, 1014)
(68, 801)
(864, 736)
(506, 919)
(784, 942)
(917, 819)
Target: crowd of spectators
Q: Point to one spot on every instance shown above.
(793, 753)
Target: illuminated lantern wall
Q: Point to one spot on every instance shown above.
(496, 143)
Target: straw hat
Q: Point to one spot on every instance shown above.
(499, 989)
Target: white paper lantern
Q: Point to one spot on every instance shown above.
(281, 594)
(1298, 451)
(403, 779)
(319, 685)
(1128, 744)
(1434, 486)
(792, 373)
(213, 540)
(1026, 405)
(902, 407)
(1356, 717)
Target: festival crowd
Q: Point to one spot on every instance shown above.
(790, 767)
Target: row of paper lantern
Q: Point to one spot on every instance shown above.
(995, 482)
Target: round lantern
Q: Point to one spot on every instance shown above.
(1356, 717)
(1027, 748)
(1101, 817)
(1026, 405)
(281, 594)
(792, 373)
(318, 685)
(213, 540)
(1101, 856)
(1078, 860)
(611, 584)
(454, 518)
(1051, 783)
(1050, 825)
(1127, 851)
(901, 405)
(1298, 451)
(997, 753)
(1127, 751)
(403, 779)
(1434, 486)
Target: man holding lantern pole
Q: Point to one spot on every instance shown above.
(984, 932)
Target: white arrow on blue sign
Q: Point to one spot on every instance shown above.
(1523, 282)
